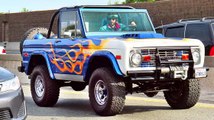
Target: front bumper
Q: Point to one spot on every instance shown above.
(167, 73)
(12, 105)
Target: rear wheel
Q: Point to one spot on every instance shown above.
(106, 92)
(45, 92)
(184, 94)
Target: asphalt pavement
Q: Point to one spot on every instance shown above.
(74, 105)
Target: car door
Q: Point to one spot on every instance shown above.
(68, 48)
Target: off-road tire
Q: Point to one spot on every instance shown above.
(30, 34)
(51, 88)
(115, 92)
(185, 95)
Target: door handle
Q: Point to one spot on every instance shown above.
(57, 41)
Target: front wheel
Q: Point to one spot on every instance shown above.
(106, 92)
(45, 92)
(184, 94)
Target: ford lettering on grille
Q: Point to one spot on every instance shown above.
(171, 58)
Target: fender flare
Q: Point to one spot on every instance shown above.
(45, 56)
(107, 55)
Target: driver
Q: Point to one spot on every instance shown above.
(113, 24)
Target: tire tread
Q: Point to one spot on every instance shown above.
(117, 90)
(51, 94)
(190, 95)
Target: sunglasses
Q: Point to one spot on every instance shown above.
(113, 19)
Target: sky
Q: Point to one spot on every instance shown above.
(11, 6)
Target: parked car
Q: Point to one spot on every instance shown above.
(12, 103)
(2, 50)
(202, 29)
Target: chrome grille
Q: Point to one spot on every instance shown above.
(148, 52)
(5, 115)
(152, 53)
(164, 55)
(171, 55)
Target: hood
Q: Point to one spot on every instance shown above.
(147, 40)
(5, 75)
(153, 42)
(162, 42)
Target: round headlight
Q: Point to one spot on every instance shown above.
(196, 57)
(136, 58)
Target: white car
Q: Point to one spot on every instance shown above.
(2, 50)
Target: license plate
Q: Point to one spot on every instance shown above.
(200, 73)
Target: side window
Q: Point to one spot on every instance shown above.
(175, 32)
(199, 31)
(69, 25)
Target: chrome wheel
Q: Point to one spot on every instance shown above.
(39, 87)
(106, 92)
(101, 92)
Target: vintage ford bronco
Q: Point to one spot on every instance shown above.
(115, 50)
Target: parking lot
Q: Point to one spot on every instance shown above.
(75, 105)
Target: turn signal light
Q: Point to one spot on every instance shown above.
(3, 51)
(118, 57)
(185, 56)
(25, 54)
(146, 58)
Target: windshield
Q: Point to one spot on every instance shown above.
(116, 21)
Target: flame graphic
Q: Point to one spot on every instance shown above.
(68, 63)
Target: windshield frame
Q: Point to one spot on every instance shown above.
(88, 34)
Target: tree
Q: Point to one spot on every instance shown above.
(135, 1)
(109, 2)
(116, 2)
(24, 10)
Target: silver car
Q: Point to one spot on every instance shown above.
(12, 103)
